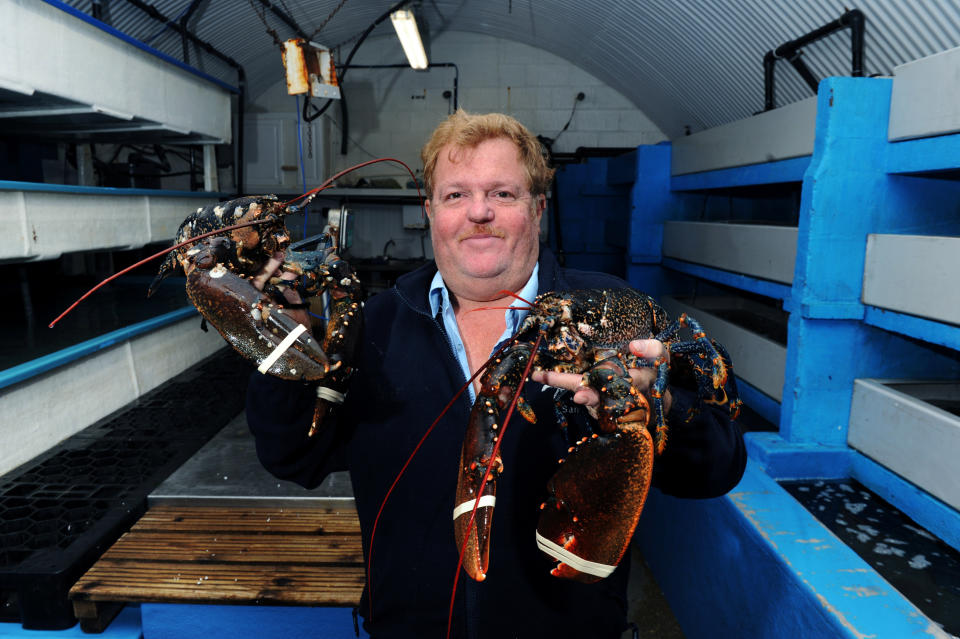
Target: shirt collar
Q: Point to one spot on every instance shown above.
(440, 298)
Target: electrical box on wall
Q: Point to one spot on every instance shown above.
(310, 69)
(414, 217)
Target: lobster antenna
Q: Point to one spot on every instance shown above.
(512, 294)
(486, 476)
(396, 480)
(498, 308)
(504, 293)
(147, 259)
(329, 181)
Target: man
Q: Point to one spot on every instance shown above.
(486, 180)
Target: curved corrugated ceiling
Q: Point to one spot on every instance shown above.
(689, 63)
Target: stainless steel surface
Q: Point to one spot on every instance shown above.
(226, 471)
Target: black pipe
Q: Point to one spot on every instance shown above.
(310, 117)
(96, 10)
(790, 51)
(344, 122)
(238, 164)
(184, 30)
(241, 79)
(280, 13)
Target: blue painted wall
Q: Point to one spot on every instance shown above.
(594, 214)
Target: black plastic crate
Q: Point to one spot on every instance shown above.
(63, 509)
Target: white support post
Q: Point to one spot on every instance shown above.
(211, 181)
(85, 175)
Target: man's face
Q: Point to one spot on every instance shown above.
(485, 224)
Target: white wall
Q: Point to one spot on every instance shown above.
(43, 411)
(393, 111)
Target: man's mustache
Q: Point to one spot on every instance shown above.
(483, 229)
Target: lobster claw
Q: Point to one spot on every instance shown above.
(249, 320)
(480, 462)
(594, 502)
(597, 494)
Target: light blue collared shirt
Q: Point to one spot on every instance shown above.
(440, 302)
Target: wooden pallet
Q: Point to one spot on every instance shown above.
(226, 555)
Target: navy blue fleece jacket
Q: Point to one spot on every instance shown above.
(406, 373)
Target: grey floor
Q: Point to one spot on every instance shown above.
(226, 471)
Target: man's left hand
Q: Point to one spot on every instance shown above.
(648, 349)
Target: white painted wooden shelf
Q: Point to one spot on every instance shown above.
(903, 425)
(64, 77)
(938, 112)
(45, 221)
(763, 251)
(780, 134)
(913, 274)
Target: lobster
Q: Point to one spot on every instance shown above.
(221, 254)
(595, 498)
(256, 323)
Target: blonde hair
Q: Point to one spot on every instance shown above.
(466, 130)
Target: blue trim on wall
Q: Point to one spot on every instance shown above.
(778, 172)
(756, 564)
(764, 405)
(926, 154)
(918, 327)
(729, 278)
(928, 511)
(140, 45)
(782, 459)
(24, 371)
(10, 185)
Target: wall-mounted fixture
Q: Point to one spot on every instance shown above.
(406, 26)
(310, 69)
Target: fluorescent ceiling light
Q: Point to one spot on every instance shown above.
(406, 27)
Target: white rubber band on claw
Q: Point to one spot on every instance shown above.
(281, 348)
(467, 506)
(577, 563)
(330, 395)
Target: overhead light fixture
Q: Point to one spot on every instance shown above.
(406, 27)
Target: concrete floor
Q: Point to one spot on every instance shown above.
(649, 609)
(226, 471)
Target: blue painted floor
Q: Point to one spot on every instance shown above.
(125, 626)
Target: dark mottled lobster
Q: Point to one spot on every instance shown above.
(223, 247)
(595, 498)
(256, 323)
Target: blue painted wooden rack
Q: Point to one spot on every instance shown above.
(855, 183)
